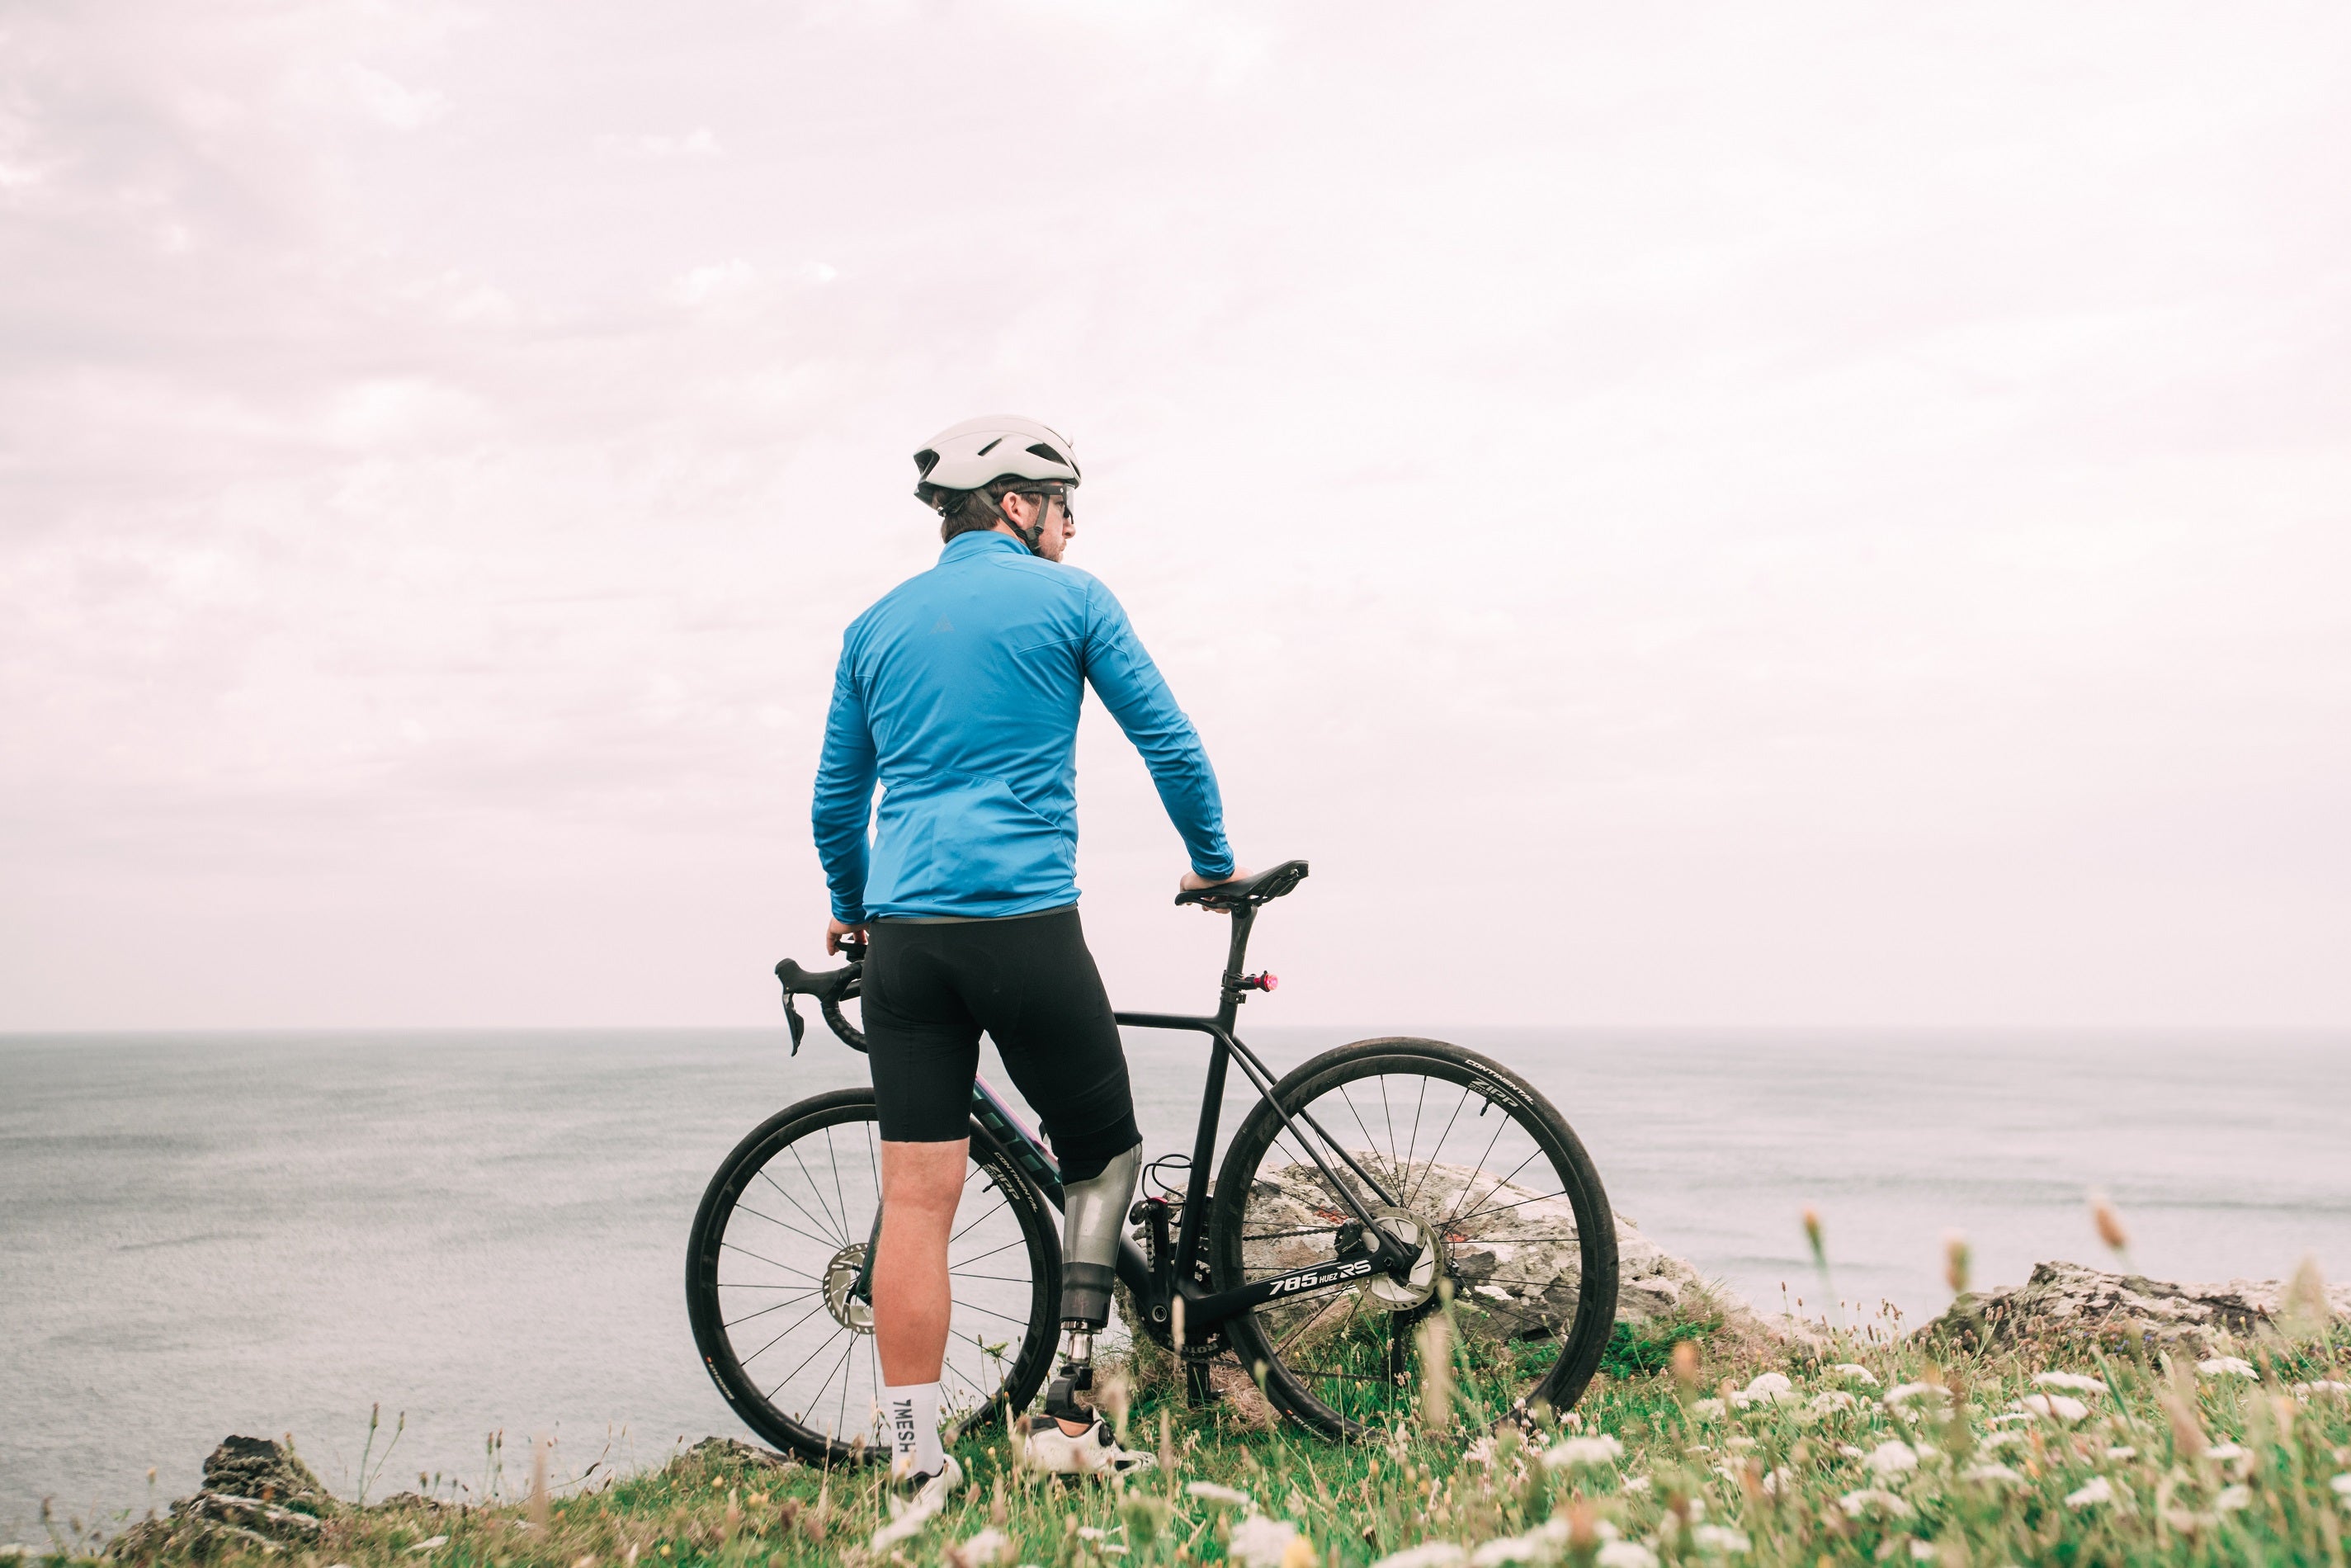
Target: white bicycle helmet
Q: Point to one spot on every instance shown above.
(968, 455)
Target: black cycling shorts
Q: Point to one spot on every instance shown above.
(1027, 979)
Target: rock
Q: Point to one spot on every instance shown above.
(1516, 1257)
(256, 1492)
(2070, 1301)
(257, 1468)
(731, 1452)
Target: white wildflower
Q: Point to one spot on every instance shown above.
(1856, 1503)
(1991, 1471)
(1639, 1483)
(1922, 1552)
(1740, 1444)
(2100, 1489)
(1891, 1458)
(909, 1524)
(1091, 1533)
(1717, 1538)
(1773, 1480)
(1849, 1452)
(1770, 1389)
(2122, 1452)
(2224, 1452)
(1578, 1452)
(2072, 1380)
(1481, 1452)
(1209, 1491)
(2056, 1406)
(1539, 1544)
(1856, 1372)
(1260, 1543)
(1625, 1554)
(1833, 1400)
(2002, 1440)
(2234, 1498)
(2321, 1389)
(2342, 1484)
(981, 1550)
(428, 1544)
(2011, 1418)
(1901, 1394)
(1707, 1410)
(2227, 1366)
(1427, 1554)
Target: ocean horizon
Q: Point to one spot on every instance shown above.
(272, 1232)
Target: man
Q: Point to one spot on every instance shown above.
(960, 692)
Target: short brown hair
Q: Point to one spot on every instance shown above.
(975, 511)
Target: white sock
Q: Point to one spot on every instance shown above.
(909, 1417)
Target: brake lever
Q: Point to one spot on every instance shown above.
(792, 1017)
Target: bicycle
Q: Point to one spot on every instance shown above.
(1333, 1271)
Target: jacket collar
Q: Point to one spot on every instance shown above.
(977, 542)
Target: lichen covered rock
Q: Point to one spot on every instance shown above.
(2068, 1301)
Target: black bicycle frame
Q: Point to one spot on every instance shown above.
(1157, 1291)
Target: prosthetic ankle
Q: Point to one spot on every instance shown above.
(1093, 1212)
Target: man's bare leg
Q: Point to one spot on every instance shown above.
(921, 1185)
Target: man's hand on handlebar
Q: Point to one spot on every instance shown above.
(835, 931)
(1193, 882)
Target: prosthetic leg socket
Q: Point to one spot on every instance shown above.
(1093, 1212)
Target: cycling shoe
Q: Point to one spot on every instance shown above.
(1093, 1452)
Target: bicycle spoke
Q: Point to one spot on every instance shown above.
(796, 1203)
(1499, 1186)
(763, 1312)
(1461, 1101)
(782, 1225)
(1387, 1112)
(841, 1221)
(763, 1349)
(989, 1253)
(771, 1262)
(991, 1312)
(833, 1158)
(967, 1230)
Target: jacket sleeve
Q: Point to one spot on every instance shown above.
(844, 795)
(1129, 685)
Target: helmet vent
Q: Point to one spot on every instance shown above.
(991, 446)
(925, 461)
(1049, 456)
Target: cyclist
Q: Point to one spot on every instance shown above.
(958, 691)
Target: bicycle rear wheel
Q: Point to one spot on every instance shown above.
(774, 1256)
(1467, 1159)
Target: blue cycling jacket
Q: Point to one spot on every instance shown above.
(959, 691)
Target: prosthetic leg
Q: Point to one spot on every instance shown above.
(1093, 1212)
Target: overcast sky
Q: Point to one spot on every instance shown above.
(1784, 515)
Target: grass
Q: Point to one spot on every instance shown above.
(2165, 1465)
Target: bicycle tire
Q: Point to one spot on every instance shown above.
(1503, 1324)
(837, 1214)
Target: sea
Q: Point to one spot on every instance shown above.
(474, 1242)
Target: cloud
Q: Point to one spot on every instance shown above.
(390, 103)
(1802, 522)
(699, 142)
(719, 280)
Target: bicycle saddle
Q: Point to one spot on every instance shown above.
(1250, 891)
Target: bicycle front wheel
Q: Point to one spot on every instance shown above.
(1512, 1304)
(773, 1262)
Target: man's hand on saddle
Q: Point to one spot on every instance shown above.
(838, 931)
(1193, 882)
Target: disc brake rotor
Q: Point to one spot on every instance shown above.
(1414, 1290)
(840, 1286)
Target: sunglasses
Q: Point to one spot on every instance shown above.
(1059, 493)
